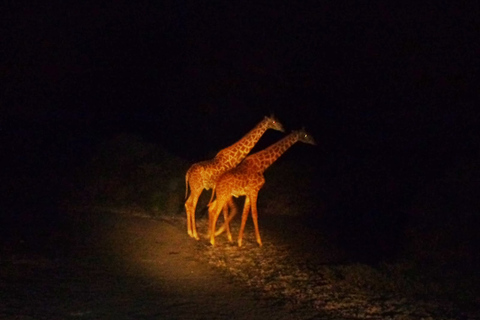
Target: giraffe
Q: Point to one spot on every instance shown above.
(203, 175)
(246, 180)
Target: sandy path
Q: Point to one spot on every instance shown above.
(188, 288)
(126, 268)
(109, 266)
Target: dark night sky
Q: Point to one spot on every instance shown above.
(380, 83)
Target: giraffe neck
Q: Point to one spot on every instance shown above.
(265, 158)
(233, 155)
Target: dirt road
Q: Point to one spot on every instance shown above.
(124, 268)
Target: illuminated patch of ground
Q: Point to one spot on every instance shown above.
(125, 266)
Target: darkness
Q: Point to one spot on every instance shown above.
(387, 91)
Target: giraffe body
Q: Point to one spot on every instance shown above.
(246, 180)
(203, 175)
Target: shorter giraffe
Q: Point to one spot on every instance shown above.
(247, 179)
(203, 175)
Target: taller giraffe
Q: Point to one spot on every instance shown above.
(203, 175)
(247, 179)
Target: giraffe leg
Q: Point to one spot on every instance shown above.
(212, 208)
(227, 225)
(190, 206)
(255, 217)
(213, 217)
(233, 212)
(246, 209)
(189, 222)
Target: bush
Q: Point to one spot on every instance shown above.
(126, 172)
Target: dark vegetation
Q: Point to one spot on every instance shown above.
(128, 172)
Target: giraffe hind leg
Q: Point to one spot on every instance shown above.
(190, 206)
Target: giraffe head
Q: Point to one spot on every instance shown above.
(273, 123)
(304, 137)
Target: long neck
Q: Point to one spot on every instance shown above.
(265, 158)
(234, 154)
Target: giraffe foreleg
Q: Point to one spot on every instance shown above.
(227, 225)
(246, 209)
(213, 217)
(255, 219)
(211, 209)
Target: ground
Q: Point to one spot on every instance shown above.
(132, 266)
